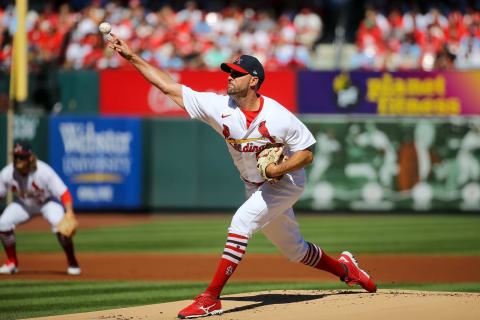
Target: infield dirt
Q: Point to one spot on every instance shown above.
(306, 305)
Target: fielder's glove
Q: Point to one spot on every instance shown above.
(273, 153)
(68, 225)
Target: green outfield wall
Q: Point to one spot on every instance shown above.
(26, 127)
(79, 92)
(187, 166)
(59, 91)
(360, 163)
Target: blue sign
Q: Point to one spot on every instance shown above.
(333, 92)
(99, 159)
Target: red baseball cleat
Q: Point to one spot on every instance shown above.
(204, 305)
(355, 275)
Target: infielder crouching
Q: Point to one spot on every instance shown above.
(249, 123)
(38, 190)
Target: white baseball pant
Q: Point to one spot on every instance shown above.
(269, 208)
(16, 213)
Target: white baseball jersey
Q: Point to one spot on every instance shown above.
(268, 206)
(274, 124)
(34, 189)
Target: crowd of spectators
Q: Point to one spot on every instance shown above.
(186, 38)
(416, 40)
(193, 37)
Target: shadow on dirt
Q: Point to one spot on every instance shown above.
(272, 299)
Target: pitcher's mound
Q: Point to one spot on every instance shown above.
(313, 304)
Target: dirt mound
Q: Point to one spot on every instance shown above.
(313, 304)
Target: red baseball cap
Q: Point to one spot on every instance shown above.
(246, 64)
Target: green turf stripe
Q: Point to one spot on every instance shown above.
(428, 234)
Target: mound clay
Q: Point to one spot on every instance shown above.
(305, 305)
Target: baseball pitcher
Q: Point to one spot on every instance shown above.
(270, 147)
(37, 190)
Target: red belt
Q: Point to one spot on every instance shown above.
(256, 184)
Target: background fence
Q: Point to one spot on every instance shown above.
(138, 157)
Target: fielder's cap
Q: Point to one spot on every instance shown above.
(246, 64)
(22, 147)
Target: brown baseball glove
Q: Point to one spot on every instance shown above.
(68, 225)
(273, 153)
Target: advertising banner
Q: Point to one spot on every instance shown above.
(99, 159)
(389, 93)
(127, 93)
(389, 164)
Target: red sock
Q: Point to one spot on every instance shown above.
(315, 257)
(331, 265)
(67, 245)
(11, 254)
(232, 255)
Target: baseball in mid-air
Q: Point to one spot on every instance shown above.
(105, 27)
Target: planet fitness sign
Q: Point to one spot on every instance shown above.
(397, 93)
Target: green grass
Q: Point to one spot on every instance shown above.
(414, 234)
(32, 298)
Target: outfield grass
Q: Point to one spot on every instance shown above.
(417, 234)
(28, 298)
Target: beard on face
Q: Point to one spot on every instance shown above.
(26, 166)
(23, 167)
(232, 90)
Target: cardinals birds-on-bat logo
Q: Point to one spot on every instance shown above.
(226, 132)
(262, 128)
(247, 145)
(238, 60)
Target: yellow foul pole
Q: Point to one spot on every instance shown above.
(18, 74)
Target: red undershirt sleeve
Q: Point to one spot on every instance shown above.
(66, 197)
